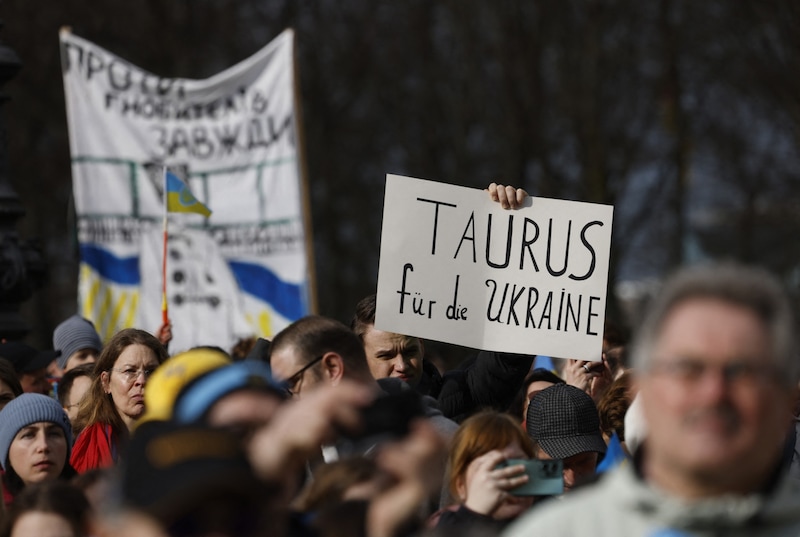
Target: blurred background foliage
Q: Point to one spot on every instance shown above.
(685, 115)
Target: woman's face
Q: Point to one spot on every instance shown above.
(512, 506)
(38, 452)
(42, 524)
(127, 378)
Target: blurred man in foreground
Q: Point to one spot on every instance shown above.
(718, 372)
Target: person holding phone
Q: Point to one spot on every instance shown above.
(479, 480)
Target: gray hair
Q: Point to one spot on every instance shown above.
(754, 289)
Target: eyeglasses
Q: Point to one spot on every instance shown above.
(130, 374)
(740, 374)
(293, 381)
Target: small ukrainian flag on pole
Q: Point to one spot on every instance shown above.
(180, 199)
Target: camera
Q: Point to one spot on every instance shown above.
(388, 417)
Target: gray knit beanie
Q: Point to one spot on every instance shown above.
(26, 409)
(74, 334)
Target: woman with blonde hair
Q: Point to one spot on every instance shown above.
(476, 478)
(115, 400)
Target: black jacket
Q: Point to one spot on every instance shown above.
(464, 519)
(489, 381)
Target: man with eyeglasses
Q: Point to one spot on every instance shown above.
(718, 374)
(316, 351)
(312, 351)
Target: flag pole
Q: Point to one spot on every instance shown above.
(302, 169)
(164, 307)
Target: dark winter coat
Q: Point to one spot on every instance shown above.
(489, 381)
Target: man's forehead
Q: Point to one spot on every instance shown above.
(383, 338)
(719, 323)
(285, 358)
(711, 308)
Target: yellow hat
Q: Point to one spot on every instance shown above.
(166, 383)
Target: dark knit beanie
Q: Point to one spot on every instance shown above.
(26, 409)
(74, 334)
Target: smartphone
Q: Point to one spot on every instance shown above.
(545, 477)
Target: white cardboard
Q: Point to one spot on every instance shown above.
(520, 300)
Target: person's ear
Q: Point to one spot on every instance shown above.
(105, 380)
(333, 366)
(461, 489)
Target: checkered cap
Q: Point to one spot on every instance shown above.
(563, 420)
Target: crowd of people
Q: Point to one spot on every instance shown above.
(336, 430)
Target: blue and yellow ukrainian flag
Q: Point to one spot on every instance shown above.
(181, 200)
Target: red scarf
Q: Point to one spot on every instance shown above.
(95, 447)
(8, 498)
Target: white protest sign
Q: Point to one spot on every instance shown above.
(456, 267)
(243, 271)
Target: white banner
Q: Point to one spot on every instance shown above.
(456, 267)
(231, 138)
